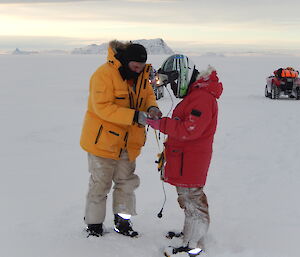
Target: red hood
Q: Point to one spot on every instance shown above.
(210, 83)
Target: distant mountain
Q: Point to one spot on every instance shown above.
(54, 52)
(153, 46)
(19, 52)
(91, 49)
(212, 54)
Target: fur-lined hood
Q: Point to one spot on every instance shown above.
(206, 73)
(209, 81)
(116, 45)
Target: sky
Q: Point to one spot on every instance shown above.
(183, 24)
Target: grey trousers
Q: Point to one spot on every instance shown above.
(194, 203)
(103, 172)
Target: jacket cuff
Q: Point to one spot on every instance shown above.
(135, 117)
(151, 107)
(163, 125)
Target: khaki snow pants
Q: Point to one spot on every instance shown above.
(194, 203)
(103, 172)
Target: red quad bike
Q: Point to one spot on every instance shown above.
(284, 83)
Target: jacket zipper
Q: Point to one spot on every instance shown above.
(141, 102)
(131, 100)
(114, 133)
(126, 139)
(140, 89)
(98, 135)
(145, 83)
(181, 166)
(120, 152)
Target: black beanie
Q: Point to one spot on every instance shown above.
(136, 53)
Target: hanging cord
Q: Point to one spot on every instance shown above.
(157, 140)
(172, 100)
(171, 108)
(160, 214)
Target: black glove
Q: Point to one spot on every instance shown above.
(140, 117)
(154, 113)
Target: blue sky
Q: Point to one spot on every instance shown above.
(183, 24)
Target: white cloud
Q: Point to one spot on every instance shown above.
(216, 22)
(40, 1)
(62, 1)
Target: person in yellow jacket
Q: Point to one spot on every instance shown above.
(120, 100)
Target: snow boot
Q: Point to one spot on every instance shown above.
(182, 251)
(94, 230)
(172, 234)
(123, 226)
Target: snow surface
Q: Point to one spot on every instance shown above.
(253, 184)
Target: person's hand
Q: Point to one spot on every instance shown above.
(153, 123)
(140, 117)
(154, 113)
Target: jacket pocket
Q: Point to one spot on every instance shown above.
(174, 161)
(98, 134)
(110, 138)
(122, 98)
(137, 137)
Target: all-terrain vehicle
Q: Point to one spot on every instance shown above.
(284, 82)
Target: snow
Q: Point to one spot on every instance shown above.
(253, 184)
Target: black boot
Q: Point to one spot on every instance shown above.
(94, 230)
(172, 234)
(124, 227)
(172, 251)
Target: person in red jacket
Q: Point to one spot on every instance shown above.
(188, 152)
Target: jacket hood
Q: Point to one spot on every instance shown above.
(208, 81)
(115, 47)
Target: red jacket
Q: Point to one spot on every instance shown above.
(191, 132)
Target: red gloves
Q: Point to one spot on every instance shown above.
(155, 124)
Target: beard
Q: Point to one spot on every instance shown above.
(127, 73)
(124, 70)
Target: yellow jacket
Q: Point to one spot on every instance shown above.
(108, 126)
